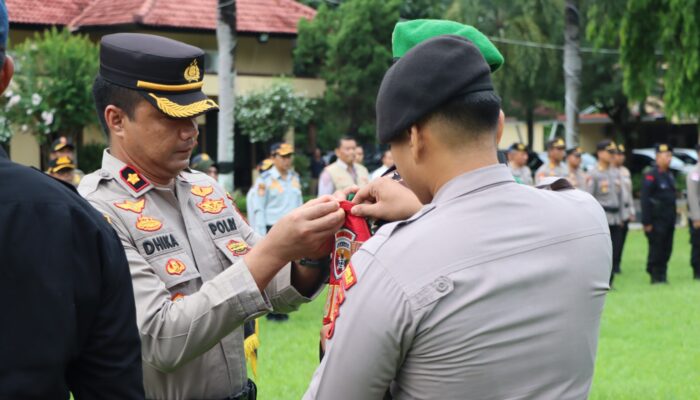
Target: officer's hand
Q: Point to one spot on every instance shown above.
(696, 224)
(307, 232)
(341, 195)
(387, 200)
(648, 228)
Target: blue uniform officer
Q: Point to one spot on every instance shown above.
(278, 190)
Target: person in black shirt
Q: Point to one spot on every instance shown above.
(658, 198)
(68, 320)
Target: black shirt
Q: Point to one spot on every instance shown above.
(658, 196)
(68, 320)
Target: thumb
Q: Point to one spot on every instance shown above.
(364, 210)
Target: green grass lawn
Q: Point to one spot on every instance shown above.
(649, 343)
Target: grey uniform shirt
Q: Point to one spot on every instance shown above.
(693, 187)
(628, 209)
(577, 178)
(606, 186)
(192, 287)
(522, 174)
(548, 170)
(458, 302)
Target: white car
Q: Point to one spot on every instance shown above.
(588, 161)
(642, 158)
(688, 156)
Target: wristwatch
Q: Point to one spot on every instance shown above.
(320, 263)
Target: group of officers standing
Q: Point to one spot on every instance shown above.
(610, 182)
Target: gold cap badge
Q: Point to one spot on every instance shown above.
(192, 72)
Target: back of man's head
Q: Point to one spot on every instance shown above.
(6, 65)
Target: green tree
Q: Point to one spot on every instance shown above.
(531, 76)
(268, 114)
(51, 94)
(350, 47)
(657, 39)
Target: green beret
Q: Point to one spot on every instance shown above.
(409, 33)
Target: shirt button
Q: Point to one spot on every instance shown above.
(442, 285)
(104, 174)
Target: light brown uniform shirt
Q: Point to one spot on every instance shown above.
(193, 290)
(450, 305)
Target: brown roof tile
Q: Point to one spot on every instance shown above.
(270, 16)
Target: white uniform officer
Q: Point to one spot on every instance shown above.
(448, 304)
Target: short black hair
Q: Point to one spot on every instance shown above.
(105, 93)
(344, 138)
(475, 112)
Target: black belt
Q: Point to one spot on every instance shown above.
(611, 209)
(250, 392)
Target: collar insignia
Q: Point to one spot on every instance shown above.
(133, 179)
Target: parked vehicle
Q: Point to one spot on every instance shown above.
(688, 156)
(643, 158)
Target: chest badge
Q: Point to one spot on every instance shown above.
(133, 206)
(211, 206)
(237, 248)
(148, 224)
(175, 267)
(202, 191)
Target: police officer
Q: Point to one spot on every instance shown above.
(345, 171)
(553, 167)
(575, 174)
(63, 147)
(203, 163)
(62, 168)
(68, 319)
(628, 210)
(436, 302)
(278, 188)
(693, 185)
(658, 198)
(605, 185)
(199, 271)
(517, 161)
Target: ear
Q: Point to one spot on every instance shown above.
(115, 118)
(416, 142)
(8, 69)
(501, 124)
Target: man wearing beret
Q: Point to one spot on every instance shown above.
(68, 324)
(445, 297)
(605, 184)
(693, 185)
(575, 174)
(198, 270)
(517, 161)
(553, 167)
(658, 199)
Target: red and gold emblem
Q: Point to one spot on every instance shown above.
(212, 206)
(133, 206)
(177, 296)
(175, 267)
(349, 277)
(148, 224)
(237, 248)
(202, 191)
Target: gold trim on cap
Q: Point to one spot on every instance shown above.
(169, 88)
(175, 110)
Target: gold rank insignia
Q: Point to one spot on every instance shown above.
(133, 206)
(212, 206)
(175, 267)
(107, 218)
(202, 191)
(132, 178)
(237, 248)
(349, 277)
(192, 73)
(148, 224)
